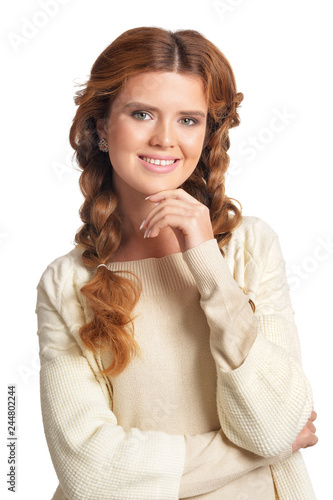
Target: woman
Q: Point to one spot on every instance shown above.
(170, 364)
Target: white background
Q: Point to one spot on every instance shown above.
(281, 54)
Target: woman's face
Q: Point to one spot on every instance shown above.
(155, 132)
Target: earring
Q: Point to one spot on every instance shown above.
(103, 146)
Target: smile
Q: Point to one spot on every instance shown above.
(159, 166)
(158, 162)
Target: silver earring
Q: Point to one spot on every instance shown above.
(103, 145)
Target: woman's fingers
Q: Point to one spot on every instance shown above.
(173, 220)
(178, 194)
(189, 219)
(307, 436)
(190, 222)
(311, 426)
(313, 416)
(171, 205)
(310, 439)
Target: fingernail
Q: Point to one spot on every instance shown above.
(148, 197)
(142, 224)
(146, 233)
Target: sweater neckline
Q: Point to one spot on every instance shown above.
(158, 275)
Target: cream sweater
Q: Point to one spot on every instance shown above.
(207, 363)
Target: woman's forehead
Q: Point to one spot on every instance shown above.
(158, 87)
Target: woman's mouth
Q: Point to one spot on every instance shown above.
(159, 165)
(158, 162)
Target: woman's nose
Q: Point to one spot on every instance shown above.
(163, 135)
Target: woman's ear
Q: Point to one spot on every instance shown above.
(101, 128)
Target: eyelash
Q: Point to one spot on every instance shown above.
(140, 113)
(147, 114)
(191, 119)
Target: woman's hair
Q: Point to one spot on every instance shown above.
(111, 296)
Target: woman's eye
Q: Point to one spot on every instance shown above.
(188, 121)
(141, 115)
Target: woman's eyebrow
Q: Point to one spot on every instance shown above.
(142, 105)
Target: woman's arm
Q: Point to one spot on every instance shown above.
(235, 352)
(213, 461)
(264, 399)
(92, 455)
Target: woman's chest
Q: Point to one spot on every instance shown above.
(171, 384)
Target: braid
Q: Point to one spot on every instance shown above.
(110, 296)
(207, 183)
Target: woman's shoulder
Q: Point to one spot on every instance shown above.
(253, 234)
(248, 250)
(66, 269)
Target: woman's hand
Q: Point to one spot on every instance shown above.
(186, 216)
(307, 436)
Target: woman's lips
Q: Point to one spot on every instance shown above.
(161, 169)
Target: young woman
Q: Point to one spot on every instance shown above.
(170, 363)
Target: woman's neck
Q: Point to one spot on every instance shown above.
(136, 249)
(133, 245)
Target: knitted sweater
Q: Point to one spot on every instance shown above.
(103, 442)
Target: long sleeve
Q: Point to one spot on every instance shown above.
(213, 461)
(263, 396)
(92, 455)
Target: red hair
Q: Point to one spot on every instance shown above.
(112, 297)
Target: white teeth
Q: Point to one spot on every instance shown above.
(158, 162)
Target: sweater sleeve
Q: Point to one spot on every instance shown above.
(92, 455)
(263, 396)
(213, 461)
